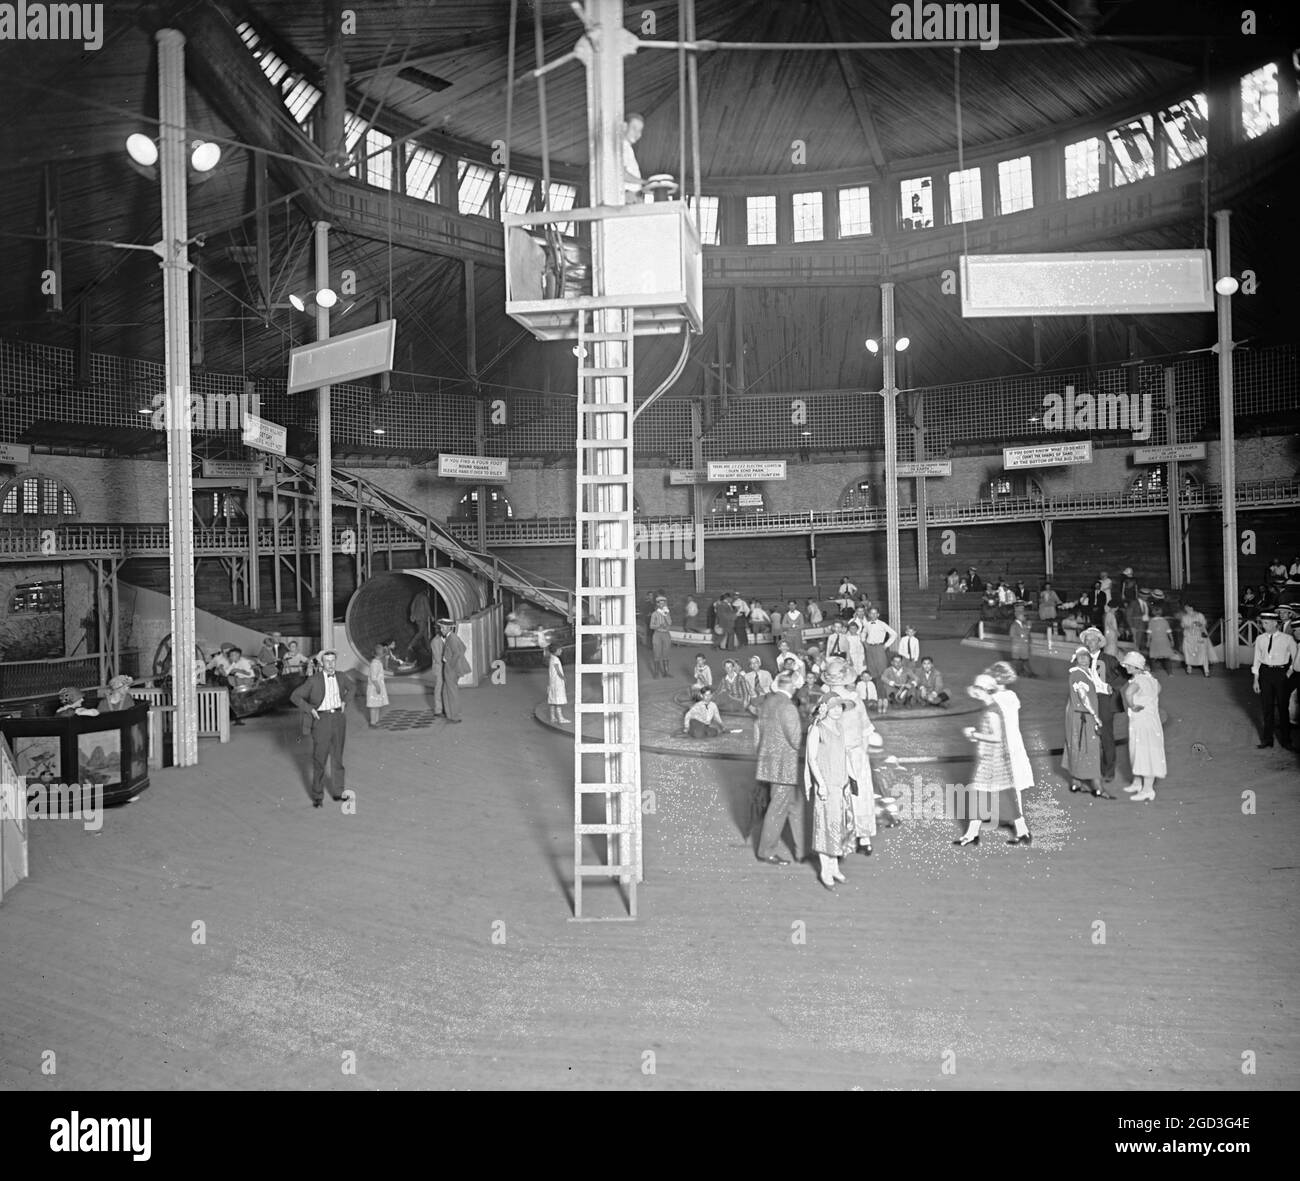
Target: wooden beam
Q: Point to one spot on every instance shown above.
(853, 80)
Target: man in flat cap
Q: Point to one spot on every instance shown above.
(1275, 653)
(449, 665)
(325, 695)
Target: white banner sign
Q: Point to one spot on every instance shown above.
(688, 476)
(361, 353)
(1174, 451)
(233, 469)
(751, 500)
(935, 467)
(15, 453)
(264, 435)
(1048, 455)
(482, 469)
(731, 471)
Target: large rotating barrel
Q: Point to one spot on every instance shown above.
(381, 610)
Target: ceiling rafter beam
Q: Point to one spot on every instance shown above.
(856, 86)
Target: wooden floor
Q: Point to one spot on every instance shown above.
(427, 934)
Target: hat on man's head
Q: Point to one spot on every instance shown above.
(327, 652)
(1128, 571)
(446, 622)
(1091, 631)
(1273, 615)
(1158, 594)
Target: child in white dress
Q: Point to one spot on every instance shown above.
(556, 697)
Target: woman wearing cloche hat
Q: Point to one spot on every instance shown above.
(1146, 735)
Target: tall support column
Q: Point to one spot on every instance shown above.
(324, 453)
(1227, 442)
(922, 505)
(1049, 558)
(1172, 488)
(176, 328)
(889, 392)
(698, 494)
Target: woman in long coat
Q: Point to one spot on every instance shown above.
(1022, 771)
(1146, 734)
(1196, 640)
(992, 773)
(826, 783)
(1081, 759)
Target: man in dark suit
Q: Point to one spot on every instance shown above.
(778, 736)
(1110, 683)
(325, 695)
(449, 665)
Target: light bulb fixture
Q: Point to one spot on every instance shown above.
(142, 150)
(873, 346)
(900, 345)
(297, 303)
(204, 155)
(377, 430)
(1226, 285)
(325, 298)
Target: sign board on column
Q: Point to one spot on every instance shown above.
(264, 435)
(730, 471)
(478, 469)
(688, 476)
(1174, 452)
(15, 453)
(233, 469)
(362, 353)
(1048, 455)
(934, 467)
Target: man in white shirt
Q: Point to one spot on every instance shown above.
(1275, 653)
(325, 695)
(632, 130)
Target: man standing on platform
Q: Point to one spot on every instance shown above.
(778, 736)
(449, 666)
(1275, 653)
(325, 695)
(1107, 678)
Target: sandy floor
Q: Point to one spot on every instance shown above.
(427, 934)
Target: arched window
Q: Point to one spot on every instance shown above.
(739, 498)
(498, 507)
(36, 496)
(860, 494)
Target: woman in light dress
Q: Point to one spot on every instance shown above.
(1196, 640)
(1146, 734)
(826, 783)
(556, 698)
(1160, 639)
(376, 690)
(992, 771)
(1022, 771)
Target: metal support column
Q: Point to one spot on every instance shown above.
(922, 533)
(172, 160)
(1049, 559)
(697, 494)
(1172, 489)
(324, 454)
(889, 392)
(1227, 442)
